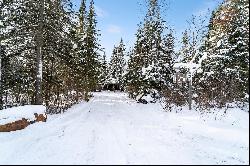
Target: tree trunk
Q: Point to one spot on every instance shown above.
(6, 99)
(86, 95)
(77, 96)
(190, 95)
(1, 88)
(39, 65)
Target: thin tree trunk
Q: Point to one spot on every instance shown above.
(6, 99)
(1, 88)
(39, 62)
(190, 95)
(77, 95)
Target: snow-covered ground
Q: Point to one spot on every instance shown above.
(112, 129)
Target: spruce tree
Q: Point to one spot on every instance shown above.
(91, 63)
(185, 48)
(152, 58)
(117, 64)
(79, 49)
(103, 70)
(134, 79)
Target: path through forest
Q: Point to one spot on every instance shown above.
(112, 129)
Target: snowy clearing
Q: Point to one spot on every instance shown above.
(112, 129)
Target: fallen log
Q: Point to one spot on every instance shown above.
(22, 124)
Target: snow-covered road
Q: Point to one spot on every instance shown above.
(112, 129)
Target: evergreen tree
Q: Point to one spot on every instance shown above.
(167, 59)
(79, 35)
(152, 58)
(117, 64)
(91, 64)
(57, 46)
(82, 17)
(103, 70)
(185, 49)
(134, 78)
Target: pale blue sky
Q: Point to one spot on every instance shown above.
(119, 18)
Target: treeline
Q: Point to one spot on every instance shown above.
(219, 52)
(48, 58)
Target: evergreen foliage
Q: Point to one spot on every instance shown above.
(224, 76)
(67, 54)
(150, 66)
(117, 64)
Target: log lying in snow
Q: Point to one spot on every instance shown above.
(17, 125)
(40, 117)
(22, 124)
(19, 118)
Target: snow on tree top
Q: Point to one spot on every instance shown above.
(190, 65)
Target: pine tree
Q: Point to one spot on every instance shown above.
(82, 17)
(185, 49)
(91, 62)
(79, 49)
(239, 41)
(167, 60)
(103, 70)
(57, 47)
(134, 79)
(152, 59)
(117, 64)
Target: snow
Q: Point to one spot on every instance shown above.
(113, 129)
(17, 113)
(192, 67)
(186, 65)
(112, 81)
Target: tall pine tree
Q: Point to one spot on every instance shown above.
(152, 55)
(91, 63)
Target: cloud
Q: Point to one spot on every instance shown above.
(114, 29)
(100, 12)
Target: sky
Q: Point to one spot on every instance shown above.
(120, 18)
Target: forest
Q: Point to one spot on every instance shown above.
(51, 55)
(172, 97)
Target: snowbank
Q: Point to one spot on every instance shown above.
(17, 113)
